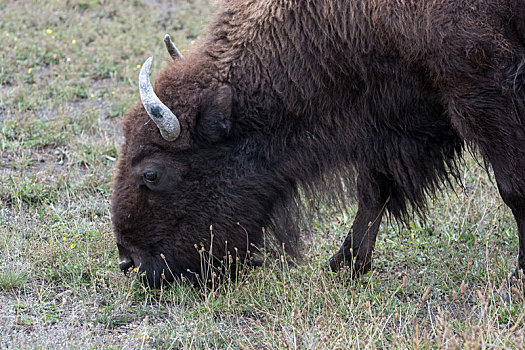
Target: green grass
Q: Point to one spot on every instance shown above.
(67, 75)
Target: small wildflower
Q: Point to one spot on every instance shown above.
(73, 246)
(15, 38)
(192, 42)
(73, 41)
(6, 34)
(92, 95)
(413, 236)
(138, 66)
(113, 92)
(68, 59)
(52, 36)
(198, 37)
(49, 31)
(64, 238)
(29, 70)
(135, 269)
(182, 51)
(109, 263)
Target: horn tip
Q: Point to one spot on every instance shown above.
(147, 63)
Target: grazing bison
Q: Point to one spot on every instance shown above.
(322, 96)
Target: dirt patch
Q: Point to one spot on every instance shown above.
(50, 158)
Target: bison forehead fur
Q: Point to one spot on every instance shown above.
(327, 96)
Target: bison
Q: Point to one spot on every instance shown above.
(291, 98)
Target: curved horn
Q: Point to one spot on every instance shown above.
(166, 121)
(172, 49)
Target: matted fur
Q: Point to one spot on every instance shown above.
(323, 92)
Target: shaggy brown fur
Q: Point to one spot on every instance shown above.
(290, 94)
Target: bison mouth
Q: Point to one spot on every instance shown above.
(154, 272)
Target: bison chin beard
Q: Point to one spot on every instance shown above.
(155, 273)
(207, 271)
(162, 271)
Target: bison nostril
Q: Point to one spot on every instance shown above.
(124, 260)
(125, 263)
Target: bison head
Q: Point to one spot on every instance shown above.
(183, 181)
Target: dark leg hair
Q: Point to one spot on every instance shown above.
(516, 203)
(373, 190)
(493, 118)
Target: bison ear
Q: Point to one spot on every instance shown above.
(214, 123)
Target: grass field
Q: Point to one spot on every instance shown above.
(68, 73)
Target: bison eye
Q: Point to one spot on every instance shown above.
(150, 176)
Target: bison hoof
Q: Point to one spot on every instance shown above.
(357, 266)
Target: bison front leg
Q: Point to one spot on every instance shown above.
(509, 170)
(516, 203)
(373, 194)
(492, 116)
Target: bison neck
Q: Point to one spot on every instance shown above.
(296, 83)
